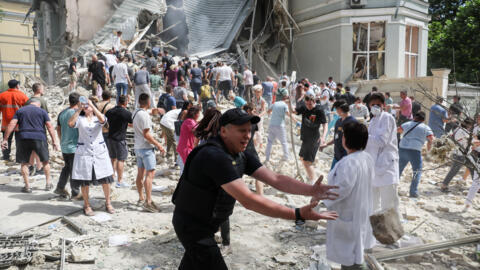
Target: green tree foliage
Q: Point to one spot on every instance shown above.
(455, 26)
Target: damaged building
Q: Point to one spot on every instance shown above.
(351, 40)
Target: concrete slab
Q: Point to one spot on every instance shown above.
(20, 211)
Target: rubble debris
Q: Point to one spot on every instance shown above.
(386, 226)
(77, 227)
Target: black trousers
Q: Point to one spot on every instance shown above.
(6, 152)
(66, 175)
(201, 254)
(225, 232)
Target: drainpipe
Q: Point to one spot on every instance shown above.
(46, 11)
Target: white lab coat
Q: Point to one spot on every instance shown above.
(91, 152)
(383, 147)
(351, 233)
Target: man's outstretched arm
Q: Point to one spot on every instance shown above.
(290, 185)
(252, 201)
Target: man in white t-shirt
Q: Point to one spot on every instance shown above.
(331, 84)
(145, 152)
(117, 42)
(111, 61)
(168, 127)
(121, 78)
(224, 79)
(248, 82)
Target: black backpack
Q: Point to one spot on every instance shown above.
(162, 101)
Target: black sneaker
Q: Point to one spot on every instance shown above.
(39, 172)
(26, 190)
(413, 195)
(63, 193)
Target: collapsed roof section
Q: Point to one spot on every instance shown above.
(125, 19)
(213, 24)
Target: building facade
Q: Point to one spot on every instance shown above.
(360, 39)
(17, 43)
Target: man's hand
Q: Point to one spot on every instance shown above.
(308, 213)
(4, 144)
(56, 147)
(160, 148)
(323, 146)
(322, 192)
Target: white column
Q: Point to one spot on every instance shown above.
(395, 50)
(423, 52)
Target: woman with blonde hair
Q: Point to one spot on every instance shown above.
(171, 76)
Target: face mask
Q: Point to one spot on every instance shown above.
(376, 110)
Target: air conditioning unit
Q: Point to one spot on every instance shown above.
(358, 3)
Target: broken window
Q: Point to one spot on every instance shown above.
(368, 50)
(411, 51)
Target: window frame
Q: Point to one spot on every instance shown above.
(368, 53)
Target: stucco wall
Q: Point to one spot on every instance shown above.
(84, 18)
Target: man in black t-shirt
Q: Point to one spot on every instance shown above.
(118, 120)
(212, 182)
(343, 111)
(97, 74)
(313, 117)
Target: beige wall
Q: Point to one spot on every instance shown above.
(93, 15)
(16, 44)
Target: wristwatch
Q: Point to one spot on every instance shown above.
(298, 218)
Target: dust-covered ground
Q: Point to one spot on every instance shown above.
(148, 241)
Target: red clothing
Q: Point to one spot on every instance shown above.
(10, 101)
(186, 143)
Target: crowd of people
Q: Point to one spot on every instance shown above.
(213, 150)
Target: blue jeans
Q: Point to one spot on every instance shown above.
(121, 89)
(268, 100)
(415, 159)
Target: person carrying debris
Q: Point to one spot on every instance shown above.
(260, 110)
(68, 144)
(212, 182)
(32, 121)
(10, 101)
(97, 75)
(313, 117)
(438, 118)
(461, 135)
(415, 133)
(145, 153)
(383, 147)
(351, 233)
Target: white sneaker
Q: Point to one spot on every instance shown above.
(122, 185)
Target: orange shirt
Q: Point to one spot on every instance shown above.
(10, 101)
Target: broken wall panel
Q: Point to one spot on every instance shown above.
(212, 25)
(123, 18)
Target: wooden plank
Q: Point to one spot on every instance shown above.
(140, 36)
(78, 228)
(372, 262)
(403, 252)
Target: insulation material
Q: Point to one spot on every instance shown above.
(213, 24)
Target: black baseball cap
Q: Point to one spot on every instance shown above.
(237, 117)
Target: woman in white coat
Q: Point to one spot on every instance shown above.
(351, 233)
(91, 164)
